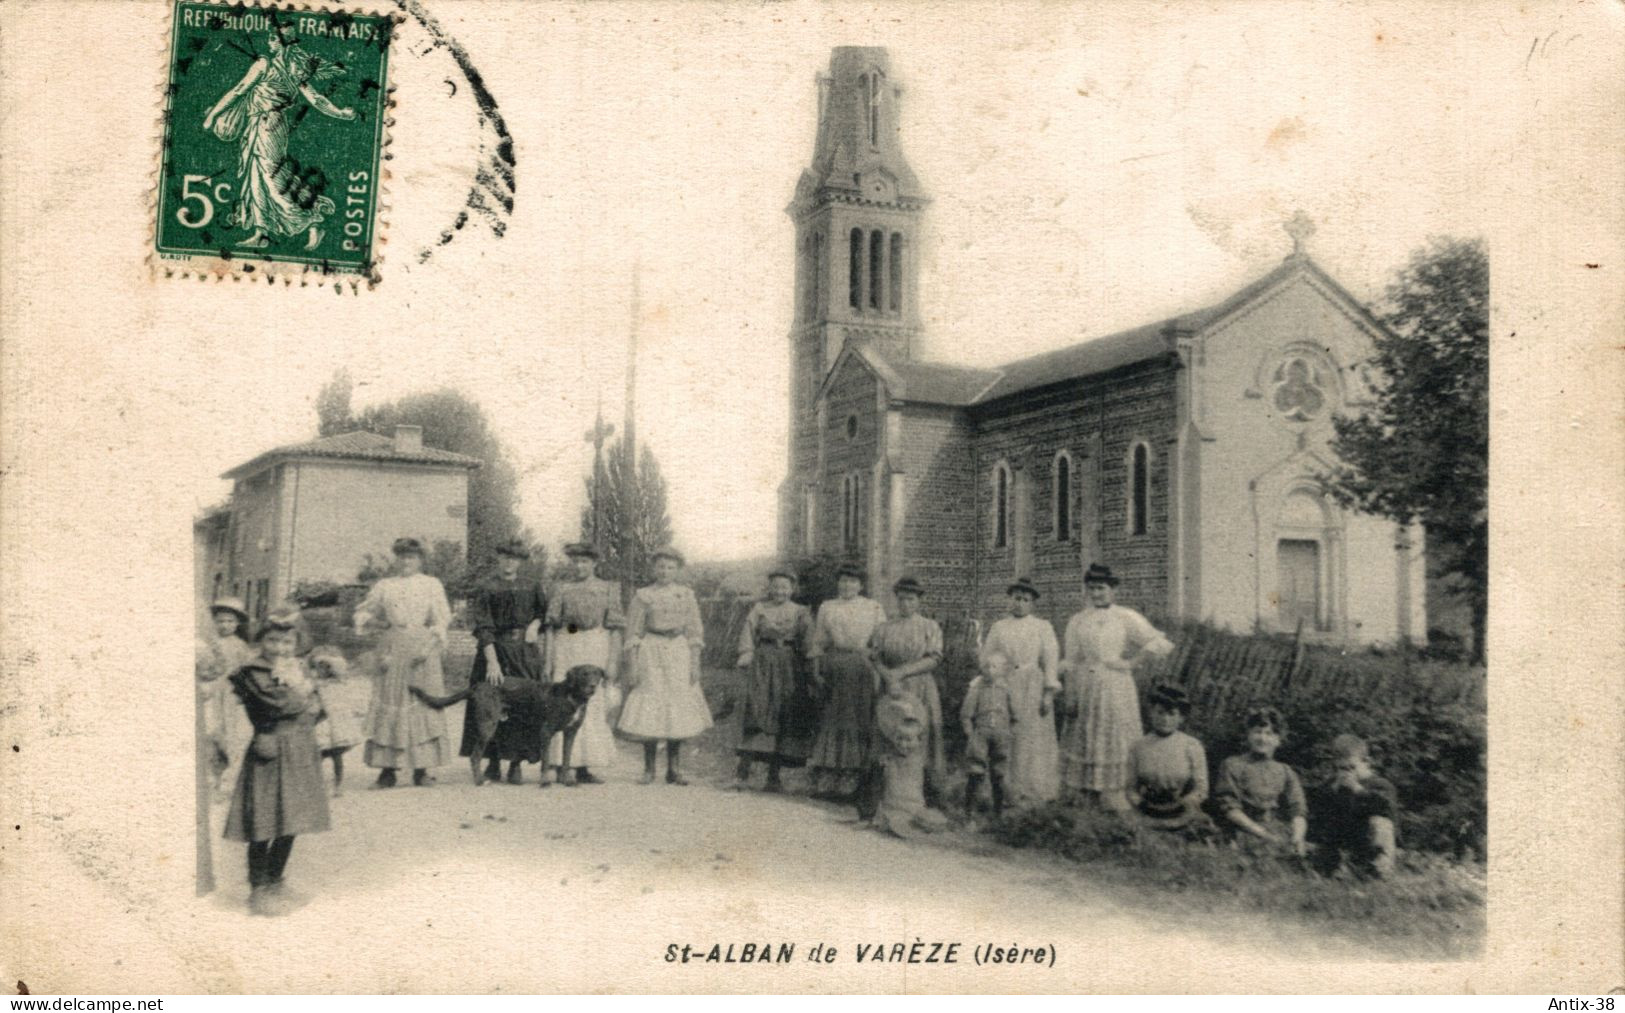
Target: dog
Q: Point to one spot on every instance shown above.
(555, 708)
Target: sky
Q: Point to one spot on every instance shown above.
(1091, 167)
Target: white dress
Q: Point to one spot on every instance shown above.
(1100, 680)
(1030, 644)
(402, 732)
(666, 702)
(585, 616)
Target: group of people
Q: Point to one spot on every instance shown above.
(852, 695)
(296, 711)
(846, 692)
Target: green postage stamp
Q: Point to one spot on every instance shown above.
(273, 141)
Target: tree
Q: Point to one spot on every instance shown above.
(1422, 453)
(451, 421)
(333, 414)
(626, 503)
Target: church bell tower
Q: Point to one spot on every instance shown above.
(857, 212)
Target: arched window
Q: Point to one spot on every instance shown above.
(894, 292)
(850, 504)
(809, 518)
(1001, 505)
(1139, 488)
(1063, 496)
(855, 270)
(871, 103)
(877, 255)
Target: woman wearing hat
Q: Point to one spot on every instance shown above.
(279, 792)
(402, 731)
(507, 612)
(773, 728)
(226, 729)
(1034, 655)
(839, 650)
(906, 652)
(584, 628)
(1103, 642)
(664, 639)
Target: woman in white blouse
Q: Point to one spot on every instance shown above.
(1102, 644)
(401, 730)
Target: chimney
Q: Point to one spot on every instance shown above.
(408, 439)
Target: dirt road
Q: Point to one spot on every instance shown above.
(505, 888)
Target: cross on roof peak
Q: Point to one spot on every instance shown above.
(1300, 227)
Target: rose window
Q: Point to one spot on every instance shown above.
(1300, 390)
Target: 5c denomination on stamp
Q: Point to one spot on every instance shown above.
(273, 141)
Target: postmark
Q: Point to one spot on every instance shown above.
(272, 160)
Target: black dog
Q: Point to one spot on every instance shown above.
(554, 708)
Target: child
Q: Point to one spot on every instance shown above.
(903, 748)
(1260, 796)
(1359, 815)
(664, 639)
(345, 701)
(1167, 769)
(279, 791)
(987, 716)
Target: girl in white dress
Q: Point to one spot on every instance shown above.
(1102, 644)
(401, 730)
(584, 628)
(664, 638)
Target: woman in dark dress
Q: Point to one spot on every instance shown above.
(507, 612)
(279, 790)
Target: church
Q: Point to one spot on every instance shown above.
(1182, 453)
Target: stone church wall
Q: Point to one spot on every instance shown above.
(1097, 420)
(940, 534)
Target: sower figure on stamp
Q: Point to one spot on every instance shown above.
(773, 726)
(507, 613)
(584, 628)
(402, 731)
(272, 200)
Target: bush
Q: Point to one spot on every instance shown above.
(1429, 904)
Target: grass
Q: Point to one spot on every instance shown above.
(1430, 907)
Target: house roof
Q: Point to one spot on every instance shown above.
(962, 386)
(359, 445)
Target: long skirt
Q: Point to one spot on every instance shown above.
(777, 719)
(844, 747)
(1108, 723)
(279, 787)
(595, 741)
(1035, 762)
(519, 737)
(666, 703)
(403, 732)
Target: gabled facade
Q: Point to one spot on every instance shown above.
(1183, 453)
(315, 511)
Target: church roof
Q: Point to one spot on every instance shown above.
(941, 383)
(963, 386)
(358, 445)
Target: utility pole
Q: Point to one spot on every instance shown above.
(629, 443)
